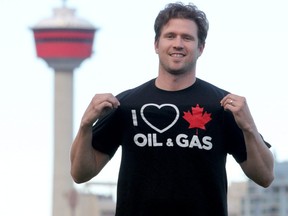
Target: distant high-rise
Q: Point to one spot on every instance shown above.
(236, 193)
(64, 42)
(271, 201)
(250, 199)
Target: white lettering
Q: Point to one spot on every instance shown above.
(195, 142)
(207, 144)
(155, 142)
(182, 141)
(143, 140)
(149, 140)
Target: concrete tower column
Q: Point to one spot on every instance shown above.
(63, 130)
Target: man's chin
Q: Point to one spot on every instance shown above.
(177, 71)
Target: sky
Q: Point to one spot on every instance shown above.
(245, 53)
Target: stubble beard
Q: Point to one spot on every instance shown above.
(177, 72)
(187, 68)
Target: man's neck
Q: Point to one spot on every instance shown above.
(178, 82)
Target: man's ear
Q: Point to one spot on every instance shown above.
(156, 46)
(201, 49)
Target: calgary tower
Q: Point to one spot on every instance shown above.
(64, 42)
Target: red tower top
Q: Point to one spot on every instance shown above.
(64, 40)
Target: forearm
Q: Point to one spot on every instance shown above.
(260, 162)
(86, 162)
(83, 166)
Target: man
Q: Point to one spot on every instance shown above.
(175, 131)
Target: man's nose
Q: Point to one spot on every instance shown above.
(178, 43)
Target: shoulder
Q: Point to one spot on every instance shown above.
(211, 88)
(135, 92)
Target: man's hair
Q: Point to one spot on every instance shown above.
(179, 10)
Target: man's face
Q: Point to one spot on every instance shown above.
(178, 47)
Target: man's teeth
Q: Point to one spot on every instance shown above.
(177, 55)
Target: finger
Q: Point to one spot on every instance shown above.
(226, 99)
(230, 102)
(114, 102)
(228, 107)
(110, 98)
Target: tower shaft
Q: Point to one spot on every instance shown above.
(63, 130)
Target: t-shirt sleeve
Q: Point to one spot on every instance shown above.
(235, 139)
(266, 143)
(106, 134)
(108, 130)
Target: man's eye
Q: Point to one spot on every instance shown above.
(188, 38)
(170, 36)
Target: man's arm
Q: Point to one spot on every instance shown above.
(86, 162)
(259, 165)
(260, 162)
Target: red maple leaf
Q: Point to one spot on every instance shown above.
(197, 118)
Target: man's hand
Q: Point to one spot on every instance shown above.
(238, 106)
(99, 106)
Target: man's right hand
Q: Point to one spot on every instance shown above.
(99, 106)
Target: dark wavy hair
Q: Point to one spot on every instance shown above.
(179, 10)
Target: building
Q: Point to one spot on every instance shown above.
(64, 41)
(236, 193)
(254, 200)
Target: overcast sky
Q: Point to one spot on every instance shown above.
(246, 54)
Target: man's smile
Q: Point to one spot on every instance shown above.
(177, 55)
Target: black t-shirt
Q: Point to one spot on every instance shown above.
(174, 148)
